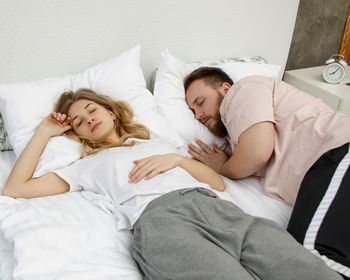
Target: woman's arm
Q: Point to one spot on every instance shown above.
(149, 167)
(20, 182)
(203, 173)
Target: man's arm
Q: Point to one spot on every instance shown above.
(254, 149)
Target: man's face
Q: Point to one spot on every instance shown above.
(205, 102)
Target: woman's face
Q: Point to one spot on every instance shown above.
(92, 120)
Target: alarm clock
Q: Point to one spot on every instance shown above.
(335, 70)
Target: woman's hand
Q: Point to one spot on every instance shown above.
(55, 124)
(151, 166)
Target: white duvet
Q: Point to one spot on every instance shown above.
(66, 237)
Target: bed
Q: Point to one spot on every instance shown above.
(133, 48)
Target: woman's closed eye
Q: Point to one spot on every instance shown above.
(77, 122)
(80, 121)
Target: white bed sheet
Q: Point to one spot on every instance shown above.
(7, 261)
(66, 237)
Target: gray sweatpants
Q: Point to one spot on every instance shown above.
(191, 234)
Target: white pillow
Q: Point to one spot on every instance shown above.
(24, 105)
(169, 93)
(240, 70)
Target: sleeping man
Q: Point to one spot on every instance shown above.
(296, 146)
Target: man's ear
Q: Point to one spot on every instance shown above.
(225, 87)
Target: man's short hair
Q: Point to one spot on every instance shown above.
(212, 76)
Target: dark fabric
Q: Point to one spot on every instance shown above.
(333, 238)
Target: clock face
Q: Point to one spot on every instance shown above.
(334, 73)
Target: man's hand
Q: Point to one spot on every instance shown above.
(213, 158)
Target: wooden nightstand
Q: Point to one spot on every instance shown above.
(310, 80)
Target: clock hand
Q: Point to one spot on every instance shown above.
(334, 72)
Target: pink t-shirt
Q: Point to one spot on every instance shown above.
(305, 128)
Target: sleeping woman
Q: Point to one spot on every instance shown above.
(181, 228)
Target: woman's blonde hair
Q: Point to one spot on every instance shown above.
(124, 124)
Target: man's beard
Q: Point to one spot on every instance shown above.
(219, 128)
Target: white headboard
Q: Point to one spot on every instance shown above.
(50, 38)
